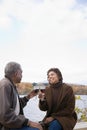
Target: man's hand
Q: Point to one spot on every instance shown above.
(31, 94)
(35, 125)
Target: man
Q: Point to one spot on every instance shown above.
(11, 105)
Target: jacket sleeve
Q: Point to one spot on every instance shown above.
(23, 101)
(8, 118)
(43, 105)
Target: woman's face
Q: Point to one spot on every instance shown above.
(52, 77)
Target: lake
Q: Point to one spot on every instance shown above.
(33, 112)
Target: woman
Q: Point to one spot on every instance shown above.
(59, 102)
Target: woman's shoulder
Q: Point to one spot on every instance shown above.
(67, 86)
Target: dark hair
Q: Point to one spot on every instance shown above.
(57, 71)
(11, 68)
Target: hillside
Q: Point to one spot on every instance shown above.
(25, 87)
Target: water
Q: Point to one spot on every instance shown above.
(81, 105)
(81, 101)
(33, 112)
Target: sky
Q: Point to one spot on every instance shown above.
(42, 34)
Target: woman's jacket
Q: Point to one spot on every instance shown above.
(60, 104)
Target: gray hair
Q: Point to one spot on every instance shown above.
(11, 68)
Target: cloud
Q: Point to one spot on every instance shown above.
(52, 34)
(5, 21)
(82, 2)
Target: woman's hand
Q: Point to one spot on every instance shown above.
(48, 120)
(41, 96)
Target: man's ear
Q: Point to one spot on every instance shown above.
(14, 75)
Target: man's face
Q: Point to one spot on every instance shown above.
(18, 76)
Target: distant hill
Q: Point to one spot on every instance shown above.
(79, 89)
(26, 87)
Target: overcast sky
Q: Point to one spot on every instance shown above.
(40, 34)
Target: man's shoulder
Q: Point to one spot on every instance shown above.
(4, 82)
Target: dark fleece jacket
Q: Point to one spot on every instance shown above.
(60, 104)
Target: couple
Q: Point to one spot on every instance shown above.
(58, 102)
